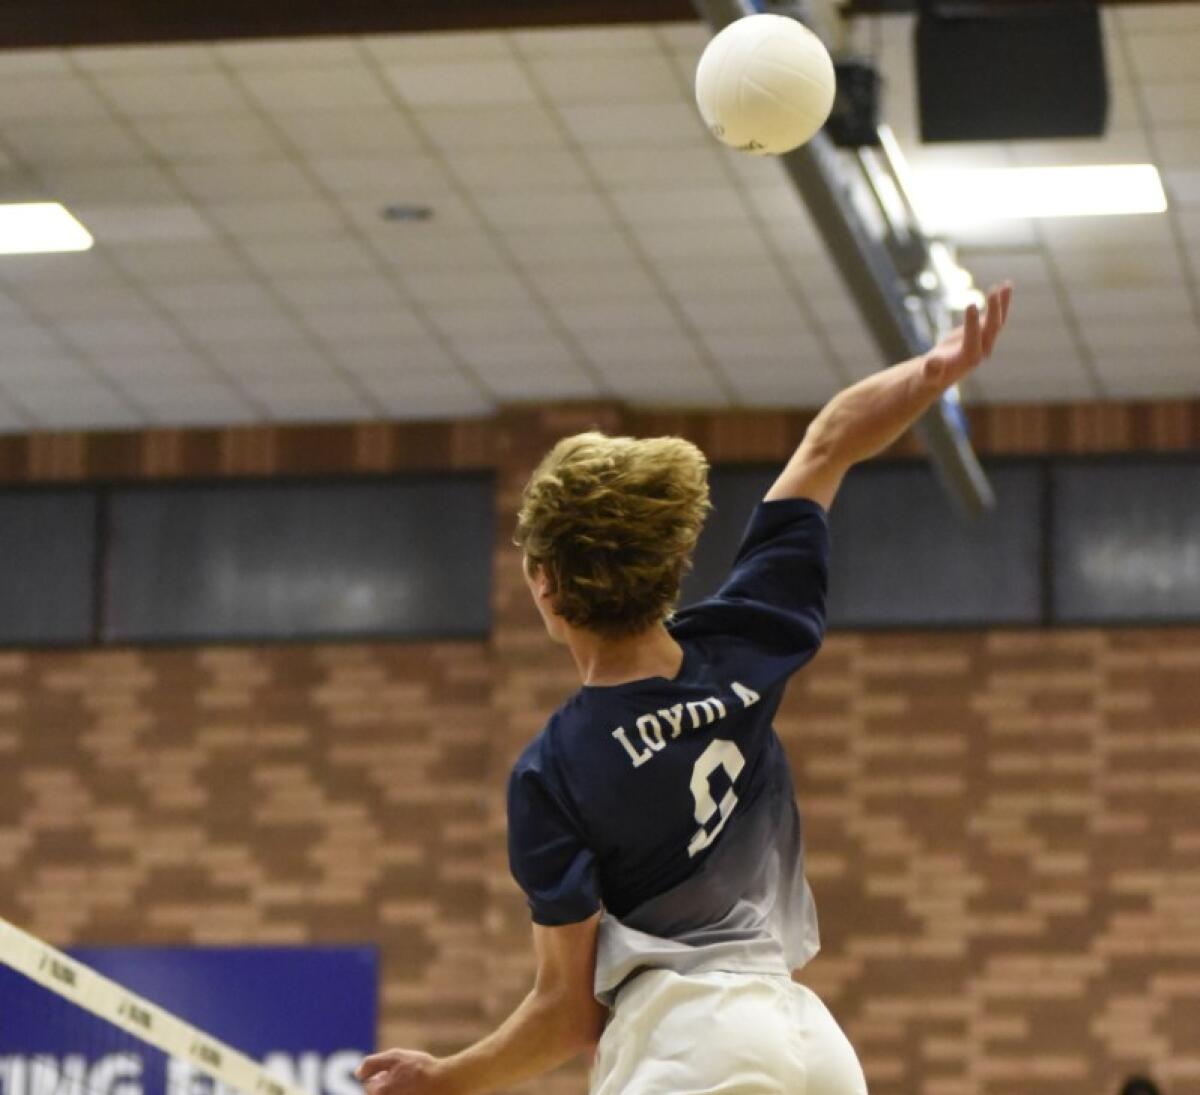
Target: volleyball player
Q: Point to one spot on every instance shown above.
(652, 823)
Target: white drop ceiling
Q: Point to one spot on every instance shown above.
(588, 238)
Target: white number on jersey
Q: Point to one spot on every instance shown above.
(719, 754)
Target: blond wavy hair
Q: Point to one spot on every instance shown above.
(612, 522)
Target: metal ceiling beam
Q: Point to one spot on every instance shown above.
(871, 275)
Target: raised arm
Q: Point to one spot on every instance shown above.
(867, 417)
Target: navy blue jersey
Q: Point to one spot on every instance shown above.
(669, 803)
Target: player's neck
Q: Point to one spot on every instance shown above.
(606, 662)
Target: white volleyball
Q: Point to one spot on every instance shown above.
(765, 84)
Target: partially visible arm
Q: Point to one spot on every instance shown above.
(866, 418)
(559, 1018)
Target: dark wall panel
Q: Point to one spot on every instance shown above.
(1126, 544)
(48, 545)
(400, 559)
(901, 556)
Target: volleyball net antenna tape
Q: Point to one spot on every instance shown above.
(80, 1033)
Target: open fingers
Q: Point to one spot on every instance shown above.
(373, 1065)
(971, 347)
(997, 310)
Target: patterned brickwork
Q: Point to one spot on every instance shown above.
(1004, 829)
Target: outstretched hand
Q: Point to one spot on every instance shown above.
(401, 1072)
(966, 346)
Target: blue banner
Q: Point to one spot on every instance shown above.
(309, 1014)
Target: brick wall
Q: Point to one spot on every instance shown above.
(1004, 827)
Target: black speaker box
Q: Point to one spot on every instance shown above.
(989, 72)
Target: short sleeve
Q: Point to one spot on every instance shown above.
(773, 602)
(546, 854)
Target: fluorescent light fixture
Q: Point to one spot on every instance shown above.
(947, 198)
(33, 228)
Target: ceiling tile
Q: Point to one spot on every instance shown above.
(309, 255)
(1161, 375)
(1087, 233)
(30, 98)
(255, 219)
(698, 206)
(471, 322)
(46, 366)
(13, 420)
(521, 211)
(525, 350)
(152, 365)
(1179, 146)
(1158, 58)
(310, 400)
(217, 327)
(633, 351)
(1169, 104)
(356, 322)
(111, 334)
(572, 284)
(52, 302)
(196, 404)
(96, 142)
(191, 140)
(75, 404)
(552, 247)
(1129, 303)
(233, 180)
(1114, 267)
(641, 77)
(804, 388)
(159, 57)
(345, 87)
(564, 381)
(468, 46)
(693, 164)
(469, 287)
(1142, 340)
(209, 296)
(335, 133)
(120, 185)
(291, 53)
(1118, 147)
(396, 177)
(659, 124)
(435, 246)
(490, 82)
(1182, 186)
(159, 261)
(1158, 18)
(395, 360)
(474, 128)
(281, 357)
(174, 222)
(496, 170)
(402, 406)
(587, 43)
(170, 94)
(715, 277)
(1062, 384)
(324, 292)
(625, 315)
(717, 243)
(700, 390)
(26, 63)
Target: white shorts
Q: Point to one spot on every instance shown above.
(723, 1034)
